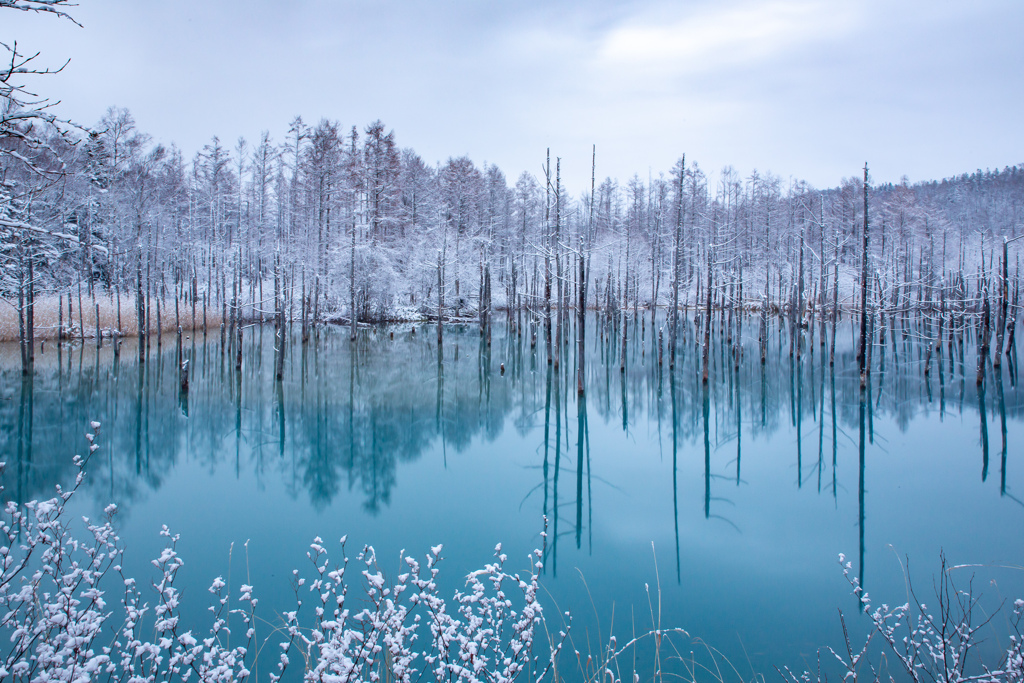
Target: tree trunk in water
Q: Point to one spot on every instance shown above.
(281, 341)
(707, 326)
(238, 351)
(584, 276)
(800, 296)
(625, 307)
(140, 311)
(547, 259)
(835, 305)
(986, 333)
(440, 298)
(352, 282)
(487, 293)
(738, 333)
(559, 319)
(582, 325)
(26, 306)
(305, 309)
(862, 348)
(676, 268)
(1003, 305)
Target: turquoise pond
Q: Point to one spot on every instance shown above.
(727, 505)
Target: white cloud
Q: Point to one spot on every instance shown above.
(808, 88)
(744, 34)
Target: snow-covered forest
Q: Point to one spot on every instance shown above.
(331, 220)
(104, 232)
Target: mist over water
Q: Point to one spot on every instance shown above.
(735, 497)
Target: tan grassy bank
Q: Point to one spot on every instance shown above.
(48, 310)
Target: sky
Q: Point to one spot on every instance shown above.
(806, 89)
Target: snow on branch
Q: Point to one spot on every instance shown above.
(42, 6)
(17, 225)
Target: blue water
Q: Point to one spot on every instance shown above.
(728, 507)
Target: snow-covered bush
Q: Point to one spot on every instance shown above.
(924, 645)
(485, 639)
(53, 608)
(68, 612)
(58, 621)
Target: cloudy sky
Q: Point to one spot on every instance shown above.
(808, 89)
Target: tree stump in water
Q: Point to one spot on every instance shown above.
(183, 376)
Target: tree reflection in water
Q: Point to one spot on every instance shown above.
(348, 415)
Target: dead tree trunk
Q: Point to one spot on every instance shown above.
(281, 337)
(835, 305)
(547, 258)
(1003, 303)
(707, 323)
(440, 297)
(352, 282)
(584, 277)
(862, 348)
(676, 268)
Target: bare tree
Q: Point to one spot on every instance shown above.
(862, 352)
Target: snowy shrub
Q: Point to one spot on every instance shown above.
(57, 622)
(69, 613)
(53, 609)
(485, 638)
(925, 645)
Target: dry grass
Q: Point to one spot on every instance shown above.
(47, 312)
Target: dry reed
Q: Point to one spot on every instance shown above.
(48, 311)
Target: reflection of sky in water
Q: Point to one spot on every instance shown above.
(375, 455)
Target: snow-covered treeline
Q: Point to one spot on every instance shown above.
(330, 222)
(348, 222)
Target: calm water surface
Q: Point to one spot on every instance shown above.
(736, 499)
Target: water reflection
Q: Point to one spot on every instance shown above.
(384, 391)
(675, 471)
(346, 417)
